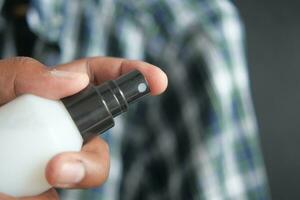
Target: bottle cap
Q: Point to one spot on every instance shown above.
(94, 108)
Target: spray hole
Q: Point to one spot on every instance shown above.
(142, 87)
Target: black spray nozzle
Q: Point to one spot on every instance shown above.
(126, 89)
(133, 85)
(93, 108)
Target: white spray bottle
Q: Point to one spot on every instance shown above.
(34, 129)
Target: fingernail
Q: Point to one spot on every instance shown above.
(70, 173)
(65, 74)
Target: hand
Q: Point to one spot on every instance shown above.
(22, 75)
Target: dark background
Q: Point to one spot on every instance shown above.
(273, 50)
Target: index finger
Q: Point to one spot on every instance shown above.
(101, 69)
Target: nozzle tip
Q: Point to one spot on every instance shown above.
(133, 86)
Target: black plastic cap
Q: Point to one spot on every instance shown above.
(133, 86)
(93, 108)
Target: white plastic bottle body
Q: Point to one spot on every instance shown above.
(32, 131)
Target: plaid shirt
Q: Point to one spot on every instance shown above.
(198, 140)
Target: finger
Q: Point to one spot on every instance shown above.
(88, 168)
(25, 75)
(6, 197)
(33, 77)
(49, 195)
(101, 69)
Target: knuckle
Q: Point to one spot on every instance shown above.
(18, 61)
(22, 62)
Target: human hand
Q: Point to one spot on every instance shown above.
(23, 75)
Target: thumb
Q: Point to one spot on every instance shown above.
(33, 77)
